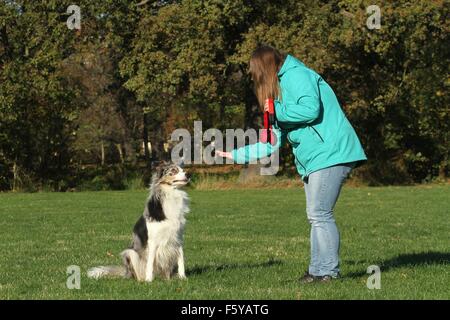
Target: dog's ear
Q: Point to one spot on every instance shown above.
(158, 168)
(158, 163)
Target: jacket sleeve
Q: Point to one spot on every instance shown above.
(256, 151)
(304, 106)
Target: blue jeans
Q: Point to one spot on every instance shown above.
(322, 191)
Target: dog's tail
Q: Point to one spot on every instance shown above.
(106, 271)
(133, 267)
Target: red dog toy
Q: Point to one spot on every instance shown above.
(267, 134)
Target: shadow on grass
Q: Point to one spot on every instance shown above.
(405, 260)
(232, 266)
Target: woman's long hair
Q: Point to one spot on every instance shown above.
(264, 66)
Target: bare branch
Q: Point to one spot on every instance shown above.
(142, 3)
(347, 14)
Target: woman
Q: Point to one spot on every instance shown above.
(324, 143)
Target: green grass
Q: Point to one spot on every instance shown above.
(240, 244)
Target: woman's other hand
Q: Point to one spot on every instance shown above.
(224, 154)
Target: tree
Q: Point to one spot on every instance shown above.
(139, 69)
(36, 105)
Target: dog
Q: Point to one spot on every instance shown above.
(157, 245)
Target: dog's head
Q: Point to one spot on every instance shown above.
(170, 174)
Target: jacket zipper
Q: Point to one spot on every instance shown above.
(304, 168)
(318, 134)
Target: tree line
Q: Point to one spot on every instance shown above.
(100, 102)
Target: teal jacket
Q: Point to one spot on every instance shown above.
(310, 117)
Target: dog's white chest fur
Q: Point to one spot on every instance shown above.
(175, 206)
(165, 238)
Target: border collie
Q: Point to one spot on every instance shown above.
(157, 245)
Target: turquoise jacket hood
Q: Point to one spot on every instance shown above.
(310, 117)
(289, 63)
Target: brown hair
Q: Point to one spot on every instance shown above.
(264, 66)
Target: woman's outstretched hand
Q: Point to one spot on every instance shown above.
(224, 154)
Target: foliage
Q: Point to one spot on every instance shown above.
(134, 73)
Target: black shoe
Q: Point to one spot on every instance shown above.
(308, 278)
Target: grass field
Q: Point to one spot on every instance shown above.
(240, 244)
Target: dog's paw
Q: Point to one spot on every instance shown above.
(182, 277)
(149, 279)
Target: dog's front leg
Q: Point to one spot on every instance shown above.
(151, 256)
(181, 273)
